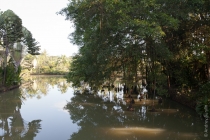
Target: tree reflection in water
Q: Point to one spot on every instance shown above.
(102, 119)
(12, 125)
(40, 85)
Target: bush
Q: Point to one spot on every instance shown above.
(203, 99)
(12, 76)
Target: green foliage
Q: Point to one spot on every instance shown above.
(30, 42)
(12, 31)
(15, 37)
(46, 64)
(10, 27)
(204, 90)
(120, 37)
(12, 76)
(203, 108)
(1, 74)
(158, 81)
(203, 97)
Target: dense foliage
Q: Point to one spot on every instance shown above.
(167, 41)
(45, 64)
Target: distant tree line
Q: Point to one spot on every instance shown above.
(166, 41)
(44, 64)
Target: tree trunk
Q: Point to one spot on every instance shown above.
(5, 64)
(208, 70)
(208, 65)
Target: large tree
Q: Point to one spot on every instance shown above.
(14, 38)
(114, 36)
(168, 38)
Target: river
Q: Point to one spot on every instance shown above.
(48, 109)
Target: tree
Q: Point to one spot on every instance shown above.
(33, 47)
(118, 36)
(14, 38)
(11, 32)
(112, 36)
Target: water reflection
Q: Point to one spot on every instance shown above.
(41, 101)
(12, 125)
(40, 85)
(105, 116)
(56, 113)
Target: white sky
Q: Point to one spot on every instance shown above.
(48, 28)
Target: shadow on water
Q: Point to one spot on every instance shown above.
(12, 125)
(105, 119)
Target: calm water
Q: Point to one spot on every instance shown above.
(49, 110)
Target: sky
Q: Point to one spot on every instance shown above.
(48, 28)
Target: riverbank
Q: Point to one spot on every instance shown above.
(4, 89)
(188, 101)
